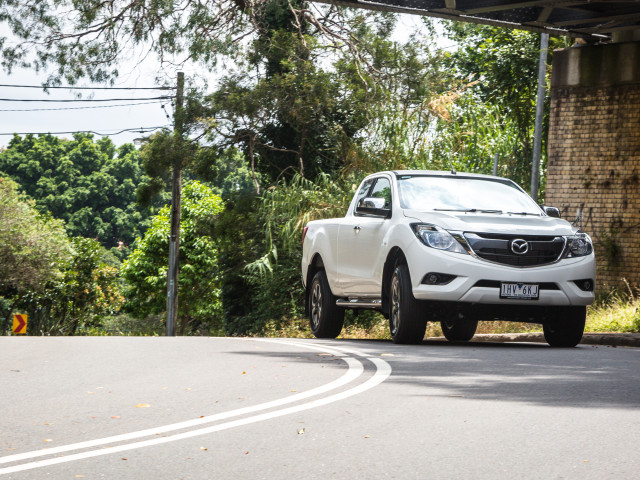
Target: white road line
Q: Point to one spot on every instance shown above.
(355, 369)
(383, 370)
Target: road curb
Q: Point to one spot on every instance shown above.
(610, 339)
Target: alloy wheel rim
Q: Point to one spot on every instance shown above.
(395, 305)
(316, 305)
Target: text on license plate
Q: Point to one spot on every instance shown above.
(524, 291)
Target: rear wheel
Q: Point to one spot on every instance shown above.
(325, 318)
(406, 319)
(566, 329)
(459, 330)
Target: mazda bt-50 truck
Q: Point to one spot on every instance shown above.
(451, 247)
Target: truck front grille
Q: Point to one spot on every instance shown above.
(540, 250)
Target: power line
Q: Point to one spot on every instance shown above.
(137, 129)
(47, 87)
(85, 99)
(77, 108)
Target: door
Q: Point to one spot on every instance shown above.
(360, 244)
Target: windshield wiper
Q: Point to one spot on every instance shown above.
(524, 213)
(466, 210)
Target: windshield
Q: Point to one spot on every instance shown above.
(464, 195)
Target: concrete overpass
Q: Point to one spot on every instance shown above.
(593, 165)
(592, 20)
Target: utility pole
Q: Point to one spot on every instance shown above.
(176, 193)
(537, 136)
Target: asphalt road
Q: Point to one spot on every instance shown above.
(228, 408)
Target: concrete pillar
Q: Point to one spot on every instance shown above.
(594, 152)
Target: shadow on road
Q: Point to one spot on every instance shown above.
(585, 376)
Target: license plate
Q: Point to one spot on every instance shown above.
(521, 291)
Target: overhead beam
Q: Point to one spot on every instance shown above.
(441, 13)
(576, 27)
(610, 28)
(544, 14)
(598, 19)
(514, 6)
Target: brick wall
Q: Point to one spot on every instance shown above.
(594, 158)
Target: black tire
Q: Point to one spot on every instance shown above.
(459, 329)
(407, 321)
(567, 328)
(325, 318)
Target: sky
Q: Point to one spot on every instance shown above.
(104, 120)
(66, 117)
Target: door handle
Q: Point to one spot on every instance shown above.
(357, 228)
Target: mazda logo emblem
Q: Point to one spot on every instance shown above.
(519, 246)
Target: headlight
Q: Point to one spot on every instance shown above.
(436, 237)
(580, 245)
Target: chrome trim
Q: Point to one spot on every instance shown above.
(563, 253)
(519, 246)
(358, 303)
(459, 236)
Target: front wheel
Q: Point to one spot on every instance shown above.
(566, 329)
(406, 319)
(459, 330)
(325, 318)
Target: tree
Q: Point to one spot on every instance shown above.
(90, 185)
(504, 62)
(307, 117)
(88, 291)
(86, 39)
(33, 248)
(470, 133)
(145, 271)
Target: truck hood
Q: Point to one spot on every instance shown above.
(492, 223)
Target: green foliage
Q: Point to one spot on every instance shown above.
(145, 270)
(283, 122)
(62, 284)
(471, 133)
(90, 185)
(311, 125)
(240, 237)
(33, 248)
(619, 311)
(87, 293)
(504, 63)
(290, 205)
(85, 39)
(227, 172)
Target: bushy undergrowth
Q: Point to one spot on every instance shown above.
(615, 313)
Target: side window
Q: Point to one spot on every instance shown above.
(364, 190)
(382, 189)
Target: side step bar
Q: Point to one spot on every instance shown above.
(358, 303)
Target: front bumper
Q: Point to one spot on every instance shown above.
(559, 277)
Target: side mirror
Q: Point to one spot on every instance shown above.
(551, 211)
(373, 206)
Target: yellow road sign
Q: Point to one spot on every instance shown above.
(19, 324)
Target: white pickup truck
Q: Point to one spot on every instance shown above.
(451, 247)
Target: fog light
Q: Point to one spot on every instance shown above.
(586, 285)
(434, 278)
